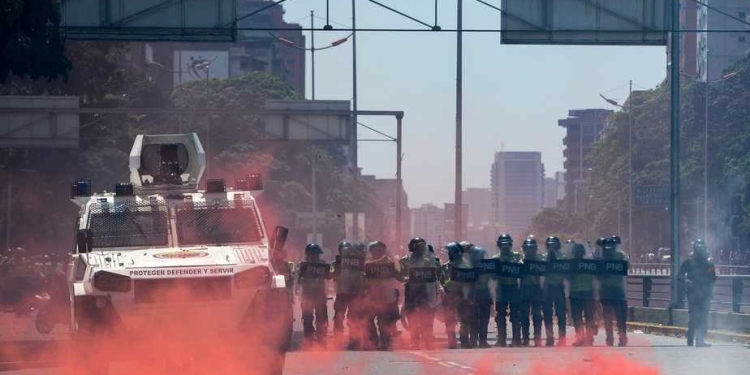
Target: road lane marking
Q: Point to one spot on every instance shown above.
(449, 364)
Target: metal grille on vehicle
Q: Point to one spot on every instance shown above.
(199, 289)
(218, 223)
(126, 224)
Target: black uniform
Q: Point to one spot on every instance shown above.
(613, 296)
(532, 299)
(699, 275)
(582, 305)
(381, 299)
(313, 298)
(349, 276)
(554, 304)
(420, 295)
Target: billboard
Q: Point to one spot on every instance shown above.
(39, 121)
(308, 120)
(144, 20)
(592, 22)
(199, 65)
(652, 196)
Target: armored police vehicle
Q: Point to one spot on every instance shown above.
(159, 257)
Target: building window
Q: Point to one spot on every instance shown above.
(741, 15)
(742, 39)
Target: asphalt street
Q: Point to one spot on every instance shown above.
(645, 354)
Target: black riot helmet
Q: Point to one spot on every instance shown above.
(600, 241)
(553, 242)
(530, 244)
(415, 244)
(699, 248)
(360, 247)
(313, 248)
(467, 246)
(345, 245)
(579, 251)
(376, 247)
(454, 250)
(504, 241)
(609, 243)
(616, 239)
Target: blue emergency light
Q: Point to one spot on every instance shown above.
(80, 188)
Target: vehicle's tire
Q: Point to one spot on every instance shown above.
(88, 337)
(44, 322)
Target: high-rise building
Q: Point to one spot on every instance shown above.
(550, 193)
(584, 127)
(428, 222)
(717, 51)
(560, 183)
(479, 201)
(517, 183)
(706, 55)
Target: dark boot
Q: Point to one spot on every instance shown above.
(502, 336)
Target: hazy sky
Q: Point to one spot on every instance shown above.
(513, 95)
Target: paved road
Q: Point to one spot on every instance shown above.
(646, 355)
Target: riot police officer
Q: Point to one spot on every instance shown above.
(313, 299)
(582, 304)
(419, 270)
(482, 296)
(381, 298)
(554, 294)
(349, 276)
(452, 294)
(698, 275)
(613, 296)
(507, 295)
(532, 295)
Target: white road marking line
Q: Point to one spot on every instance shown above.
(440, 362)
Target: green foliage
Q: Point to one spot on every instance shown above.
(728, 159)
(31, 44)
(558, 222)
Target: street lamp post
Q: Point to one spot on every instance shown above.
(312, 50)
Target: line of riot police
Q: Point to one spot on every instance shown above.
(527, 289)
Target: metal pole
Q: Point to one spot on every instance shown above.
(619, 215)
(675, 156)
(458, 209)
(705, 158)
(399, 183)
(355, 159)
(312, 50)
(314, 198)
(630, 170)
(8, 215)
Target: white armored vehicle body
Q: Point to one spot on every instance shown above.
(158, 249)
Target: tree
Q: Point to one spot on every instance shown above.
(31, 45)
(558, 222)
(728, 160)
(236, 145)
